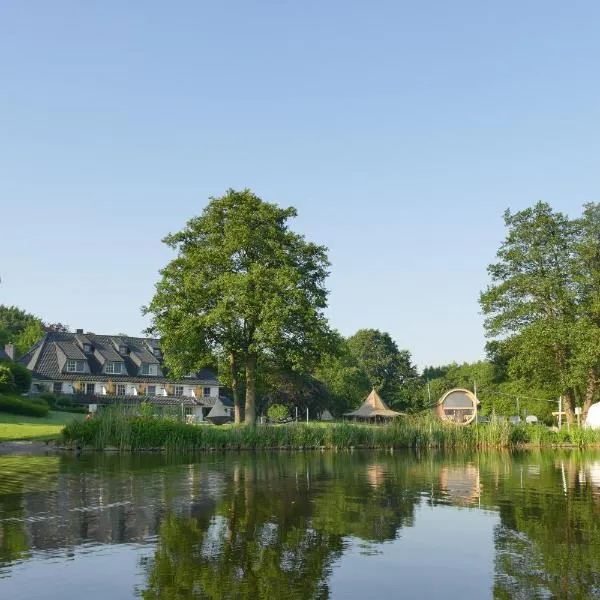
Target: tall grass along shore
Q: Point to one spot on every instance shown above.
(117, 430)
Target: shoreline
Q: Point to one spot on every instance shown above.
(48, 447)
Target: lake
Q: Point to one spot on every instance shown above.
(301, 525)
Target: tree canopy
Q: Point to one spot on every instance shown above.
(542, 306)
(386, 367)
(245, 286)
(23, 329)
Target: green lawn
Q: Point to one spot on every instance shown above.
(16, 427)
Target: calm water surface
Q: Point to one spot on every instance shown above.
(310, 525)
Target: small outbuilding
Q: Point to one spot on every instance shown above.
(374, 409)
(457, 406)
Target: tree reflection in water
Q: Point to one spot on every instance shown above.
(274, 525)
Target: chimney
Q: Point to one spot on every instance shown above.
(10, 350)
(80, 331)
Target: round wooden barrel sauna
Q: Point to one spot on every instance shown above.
(457, 406)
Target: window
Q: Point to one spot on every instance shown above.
(114, 367)
(87, 348)
(90, 388)
(149, 369)
(156, 351)
(179, 390)
(121, 389)
(151, 390)
(57, 387)
(123, 349)
(206, 391)
(75, 366)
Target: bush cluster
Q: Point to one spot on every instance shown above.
(62, 403)
(17, 405)
(14, 378)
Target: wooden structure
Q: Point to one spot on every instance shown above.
(373, 408)
(457, 406)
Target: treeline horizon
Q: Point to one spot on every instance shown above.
(246, 296)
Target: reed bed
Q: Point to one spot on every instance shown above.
(121, 430)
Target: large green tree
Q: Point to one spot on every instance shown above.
(387, 367)
(245, 286)
(542, 303)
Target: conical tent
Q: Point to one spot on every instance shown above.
(218, 414)
(372, 408)
(326, 416)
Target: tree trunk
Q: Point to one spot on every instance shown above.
(590, 393)
(250, 412)
(235, 388)
(569, 406)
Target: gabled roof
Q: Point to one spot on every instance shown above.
(372, 407)
(47, 358)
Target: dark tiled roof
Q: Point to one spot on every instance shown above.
(43, 360)
(71, 351)
(159, 400)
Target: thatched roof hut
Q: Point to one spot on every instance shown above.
(218, 414)
(374, 408)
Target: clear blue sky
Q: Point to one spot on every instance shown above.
(400, 131)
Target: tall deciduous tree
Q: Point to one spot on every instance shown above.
(386, 367)
(245, 286)
(543, 302)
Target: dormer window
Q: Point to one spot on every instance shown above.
(149, 369)
(123, 349)
(75, 366)
(114, 368)
(156, 351)
(87, 348)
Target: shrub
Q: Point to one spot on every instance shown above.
(62, 403)
(7, 380)
(21, 376)
(278, 412)
(22, 406)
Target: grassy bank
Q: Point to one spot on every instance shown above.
(117, 430)
(18, 427)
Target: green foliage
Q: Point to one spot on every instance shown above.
(123, 430)
(61, 403)
(345, 381)
(244, 286)
(278, 412)
(19, 328)
(543, 304)
(32, 334)
(18, 405)
(7, 380)
(387, 368)
(21, 376)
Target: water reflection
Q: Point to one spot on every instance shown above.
(282, 525)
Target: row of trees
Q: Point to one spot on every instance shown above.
(248, 294)
(246, 289)
(23, 329)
